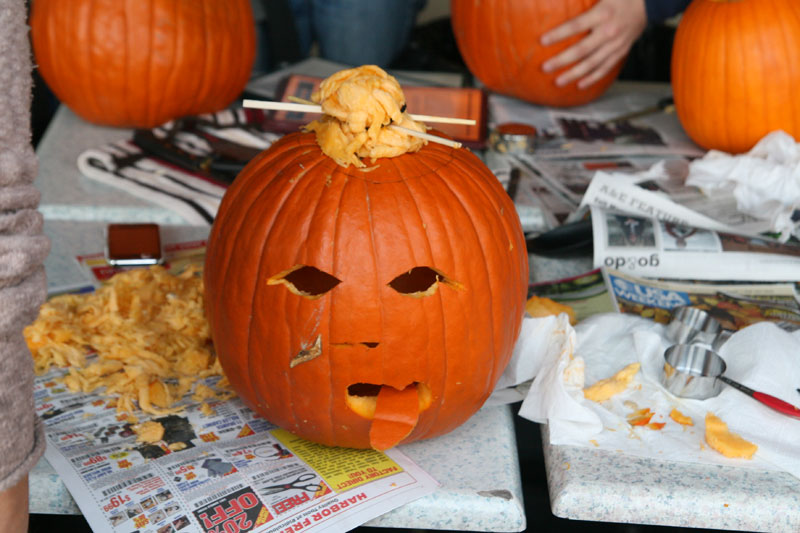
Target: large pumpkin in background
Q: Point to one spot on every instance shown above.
(499, 42)
(736, 71)
(353, 306)
(141, 63)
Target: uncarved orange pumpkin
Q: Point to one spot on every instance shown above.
(736, 71)
(499, 42)
(363, 308)
(141, 63)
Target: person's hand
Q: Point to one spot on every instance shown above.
(613, 26)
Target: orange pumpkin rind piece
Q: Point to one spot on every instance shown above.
(719, 437)
(641, 417)
(608, 387)
(396, 416)
(681, 418)
(539, 306)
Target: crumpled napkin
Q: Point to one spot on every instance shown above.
(765, 181)
(539, 341)
(762, 356)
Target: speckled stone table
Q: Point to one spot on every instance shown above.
(476, 464)
(600, 485)
(68, 195)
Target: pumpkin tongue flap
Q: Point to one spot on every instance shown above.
(396, 415)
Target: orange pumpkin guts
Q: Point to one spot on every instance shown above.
(499, 42)
(141, 63)
(735, 71)
(364, 307)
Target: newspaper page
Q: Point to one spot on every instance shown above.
(651, 194)
(734, 305)
(587, 293)
(593, 130)
(217, 468)
(562, 184)
(649, 247)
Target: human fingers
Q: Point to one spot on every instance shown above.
(592, 62)
(606, 66)
(574, 26)
(578, 52)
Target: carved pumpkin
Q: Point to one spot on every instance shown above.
(499, 42)
(735, 73)
(365, 307)
(141, 63)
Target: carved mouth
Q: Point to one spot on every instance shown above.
(362, 398)
(394, 413)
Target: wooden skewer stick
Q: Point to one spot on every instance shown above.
(426, 136)
(304, 106)
(298, 104)
(297, 99)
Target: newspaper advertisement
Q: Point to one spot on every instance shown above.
(652, 246)
(734, 305)
(213, 471)
(218, 467)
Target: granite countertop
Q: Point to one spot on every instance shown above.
(476, 464)
(68, 195)
(602, 485)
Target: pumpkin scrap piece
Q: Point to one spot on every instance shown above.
(358, 104)
(640, 417)
(149, 431)
(538, 306)
(719, 437)
(148, 329)
(681, 418)
(611, 386)
(396, 415)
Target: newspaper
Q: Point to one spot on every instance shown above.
(213, 472)
(592, 131)
(218, 468)
(587, 294)
(550, 192)
(734, 305)
(650, 247)
(654, 194)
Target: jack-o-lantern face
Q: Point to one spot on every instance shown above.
(364, 308)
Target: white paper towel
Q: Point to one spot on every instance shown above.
(762, 356)
(765, 180)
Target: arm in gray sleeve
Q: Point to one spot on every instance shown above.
(23, 248)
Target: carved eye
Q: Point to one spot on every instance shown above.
(306, 281)
(421, 281)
